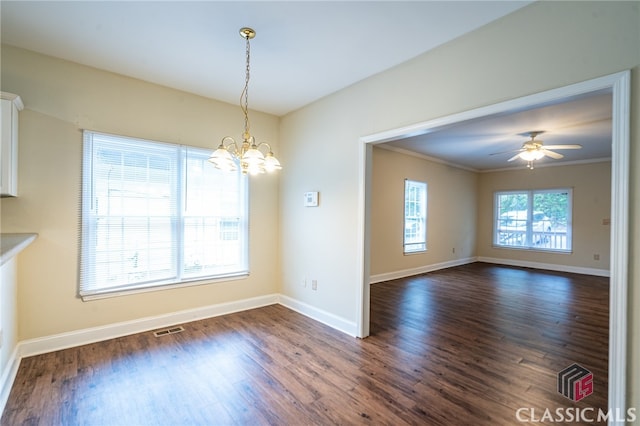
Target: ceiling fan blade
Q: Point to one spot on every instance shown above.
(514, 157)
(562, 147)
(552, 154)
(506, 152)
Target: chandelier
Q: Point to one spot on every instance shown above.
(248, 155)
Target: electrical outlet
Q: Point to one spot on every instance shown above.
(304, 283)
(314, 284)
(596, 257)
(453, 250)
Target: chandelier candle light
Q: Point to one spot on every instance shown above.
(249, 155)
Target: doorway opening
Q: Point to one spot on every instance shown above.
(619, 86)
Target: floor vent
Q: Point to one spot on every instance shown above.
(166, 331)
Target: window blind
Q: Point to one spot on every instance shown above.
(156, 214)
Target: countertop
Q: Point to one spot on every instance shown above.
(12, 244)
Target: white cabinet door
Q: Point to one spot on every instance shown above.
(11, 105)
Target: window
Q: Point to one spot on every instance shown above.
(156, 214)
(539, 219)
(415, 216)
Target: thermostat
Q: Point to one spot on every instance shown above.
(311, 199)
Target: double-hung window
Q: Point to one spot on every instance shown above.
(157, 214)
(415, 216)
(535, 219)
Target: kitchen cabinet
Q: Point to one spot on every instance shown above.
(11, 107)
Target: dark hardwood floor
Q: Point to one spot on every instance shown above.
(461, 346)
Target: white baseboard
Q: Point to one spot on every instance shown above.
(420, 270)
(334, 321)
(547, 266)
(90, 335)
(95, 334)
(510, 262)
(8, 377)
(85, 336)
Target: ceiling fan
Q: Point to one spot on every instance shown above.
(535, 149)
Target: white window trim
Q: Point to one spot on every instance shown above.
(179, 281)
(404, 218)
(532, 247)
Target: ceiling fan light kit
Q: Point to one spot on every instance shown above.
(531, 155)
(533, 150)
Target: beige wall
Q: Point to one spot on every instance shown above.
(451, 212)
(591, 184)
(319, 148)
(460, 212)
(507, 59)
(61, 98)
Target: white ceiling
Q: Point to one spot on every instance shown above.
(304, 50)
(487, 143)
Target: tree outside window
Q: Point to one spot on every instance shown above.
(534, 219)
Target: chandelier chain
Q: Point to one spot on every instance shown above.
(244, 97)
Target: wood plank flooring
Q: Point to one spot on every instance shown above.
(466, 345)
